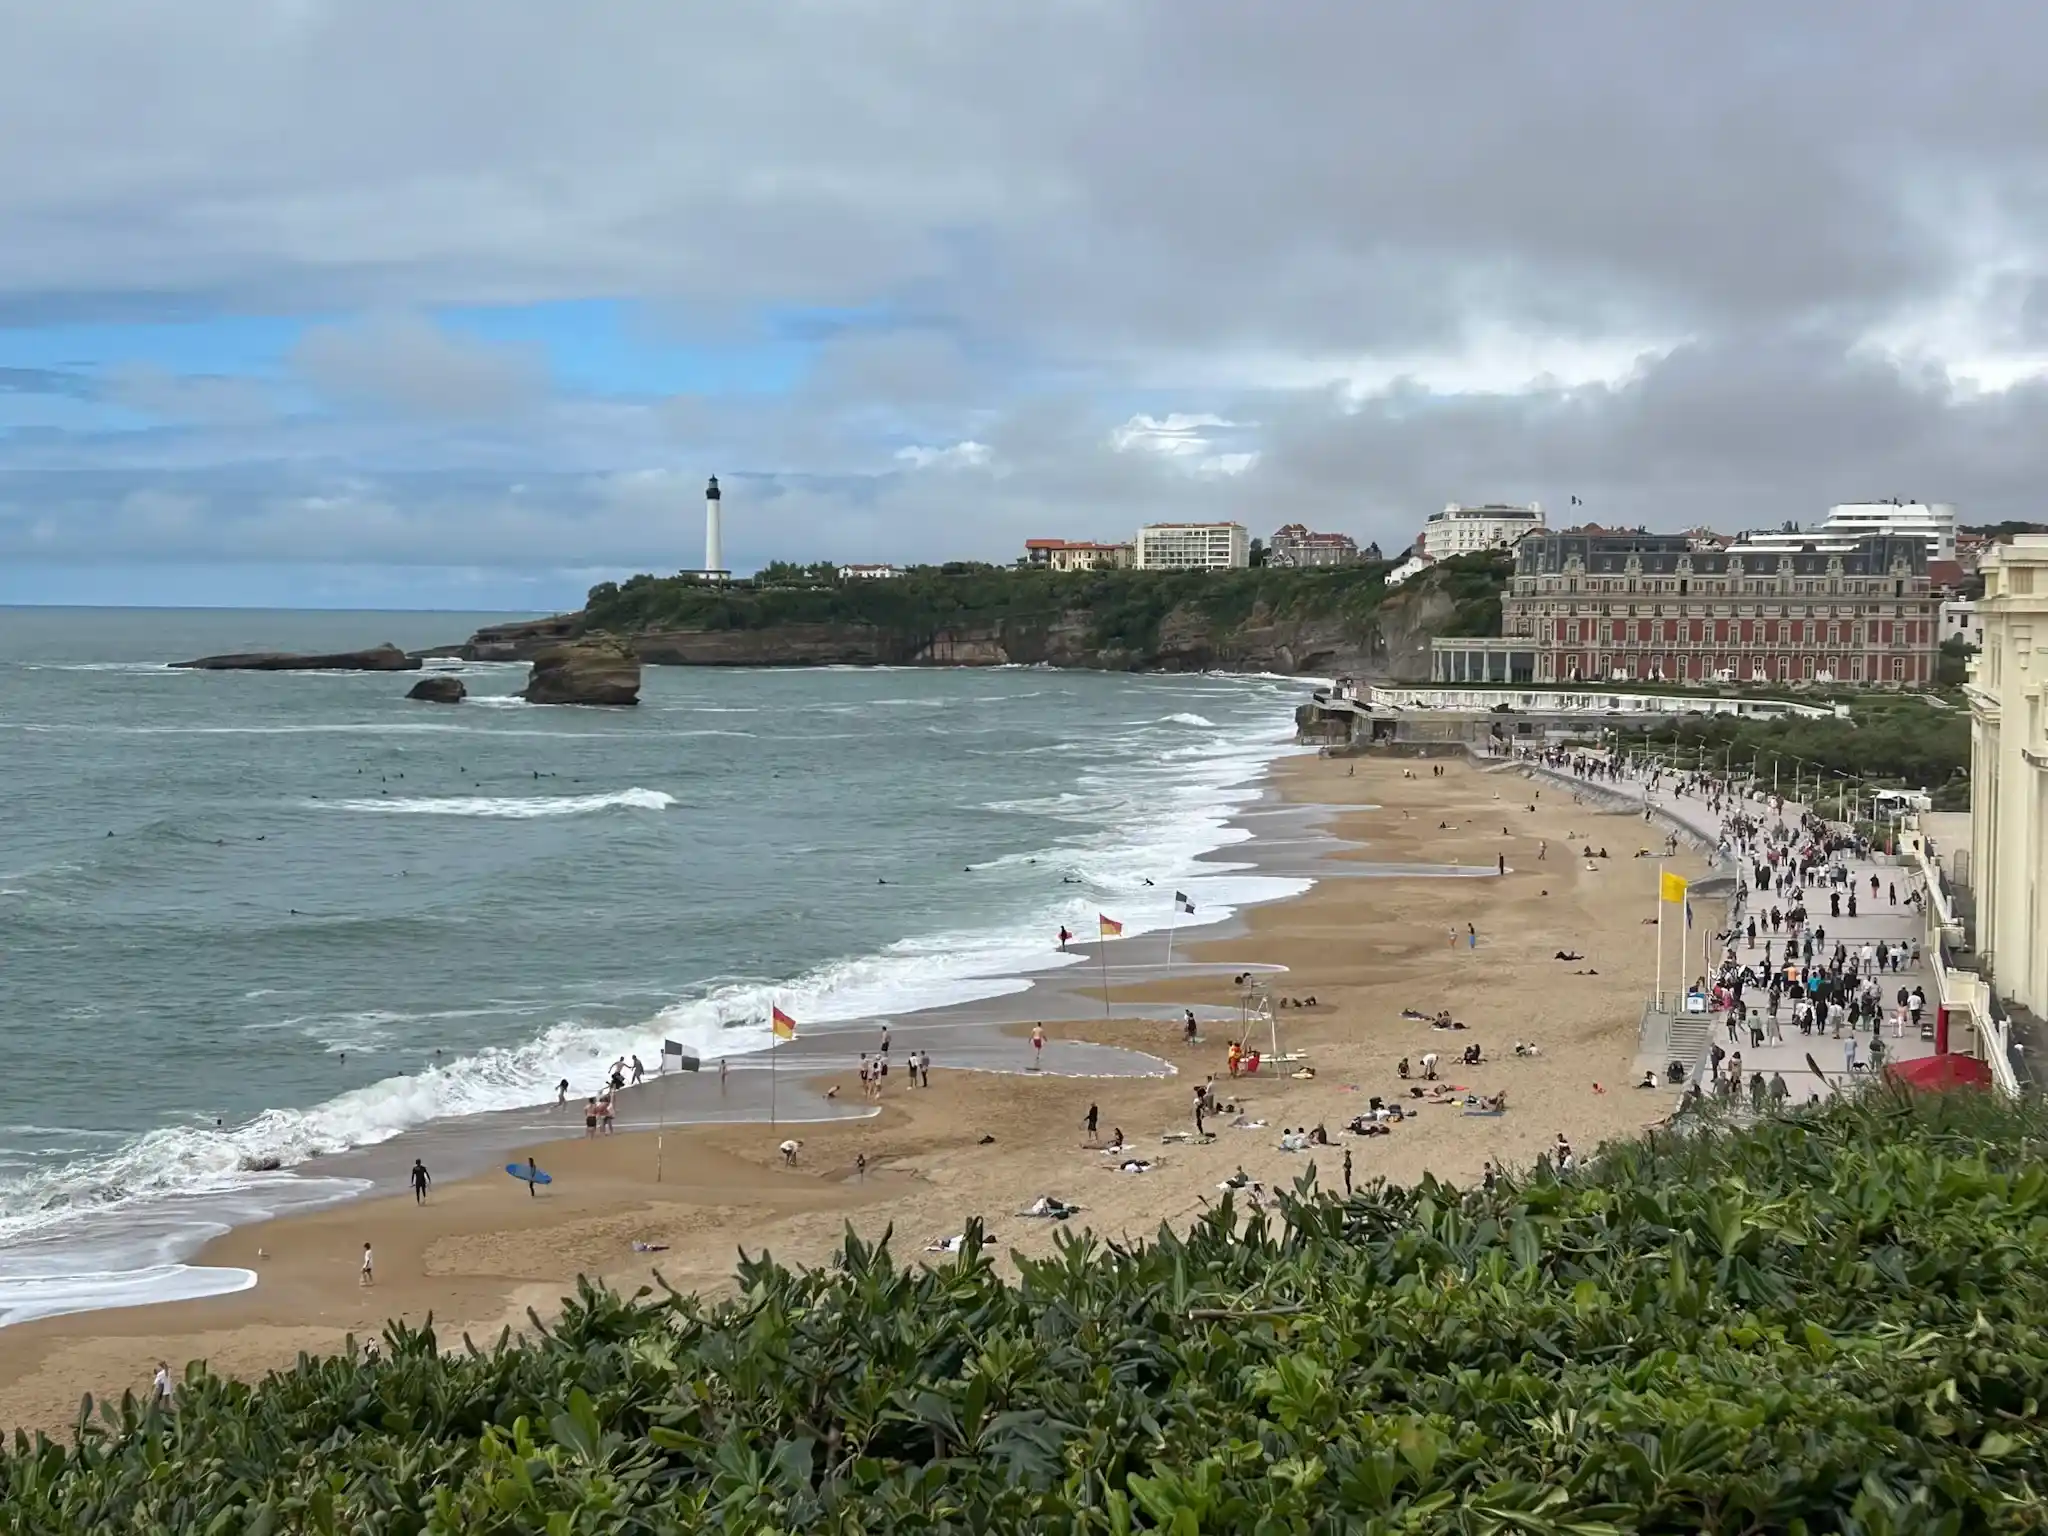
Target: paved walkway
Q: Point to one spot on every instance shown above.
(1876, 920)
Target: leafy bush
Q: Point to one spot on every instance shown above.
(1830, 1322)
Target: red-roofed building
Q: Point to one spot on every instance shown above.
(1075, 555)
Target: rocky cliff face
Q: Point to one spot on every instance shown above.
(1393, 645)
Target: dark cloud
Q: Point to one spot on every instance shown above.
(1010, 229)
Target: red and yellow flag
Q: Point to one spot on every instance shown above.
(783, 1025)
(1111, 928)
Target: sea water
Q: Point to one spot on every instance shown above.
(247, 918)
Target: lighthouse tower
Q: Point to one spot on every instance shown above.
(714, 545)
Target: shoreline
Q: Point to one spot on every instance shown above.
(481, 1252)
(202, 1178)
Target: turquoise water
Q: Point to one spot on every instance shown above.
(254, 917)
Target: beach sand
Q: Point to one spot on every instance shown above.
(482, 1251)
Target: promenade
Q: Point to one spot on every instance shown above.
(1897, 924)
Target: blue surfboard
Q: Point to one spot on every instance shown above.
(519, 1172)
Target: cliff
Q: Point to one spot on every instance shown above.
(1332, 622)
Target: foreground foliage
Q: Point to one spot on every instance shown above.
(1828, 1323)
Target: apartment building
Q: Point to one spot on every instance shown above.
(2009, 772)
(1193, 547)
(1463, 530)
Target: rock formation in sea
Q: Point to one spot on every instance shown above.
(439, 690)
(379, 658)
(584, 672)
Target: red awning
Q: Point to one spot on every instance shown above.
(1934, 1072)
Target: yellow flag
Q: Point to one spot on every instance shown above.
(1674, 887)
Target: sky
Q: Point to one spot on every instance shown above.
(361, 303)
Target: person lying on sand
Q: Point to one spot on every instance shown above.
(1050, 1208)
(955, 1243)
(1568, 954)
(1136, 1165)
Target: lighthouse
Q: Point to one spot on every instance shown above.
(714, 545)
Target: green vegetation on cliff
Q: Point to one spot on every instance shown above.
(1828, 1322)
(1123, 609)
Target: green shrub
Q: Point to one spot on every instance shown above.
(1829, 1322)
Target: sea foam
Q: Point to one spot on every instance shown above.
(506, 807)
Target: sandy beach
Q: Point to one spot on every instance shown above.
(482, 1251)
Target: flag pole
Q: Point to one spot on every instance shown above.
(1102, 954)
(1171, 924)
(1660, 934)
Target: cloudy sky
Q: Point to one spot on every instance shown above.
(367, 302)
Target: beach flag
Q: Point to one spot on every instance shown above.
(1180, 900)
(783, 1025)
(1111, 928)
(1674, 887)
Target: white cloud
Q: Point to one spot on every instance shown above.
(961, 455)
(1173, 436)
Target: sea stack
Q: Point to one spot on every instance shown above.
(440, 689)
(584, 672)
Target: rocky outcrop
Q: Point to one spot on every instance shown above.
(380, 658)
(439, 690)
(521, 640)
(584, 672)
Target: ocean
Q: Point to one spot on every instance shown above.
(246, 919)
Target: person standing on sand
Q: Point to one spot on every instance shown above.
(1471, 937)
(420, 1180)
(1347, 1172)
(1188, 1027)
(160, 1385)
(590, 1117)
(532, 1178)
(369, 1275)
(1037, 1045)
(722, 1070)
(1064, 937)
(561, 1093)
(1090, 1121)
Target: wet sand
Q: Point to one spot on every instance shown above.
(990, 1136)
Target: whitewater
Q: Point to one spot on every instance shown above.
(321, 920)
